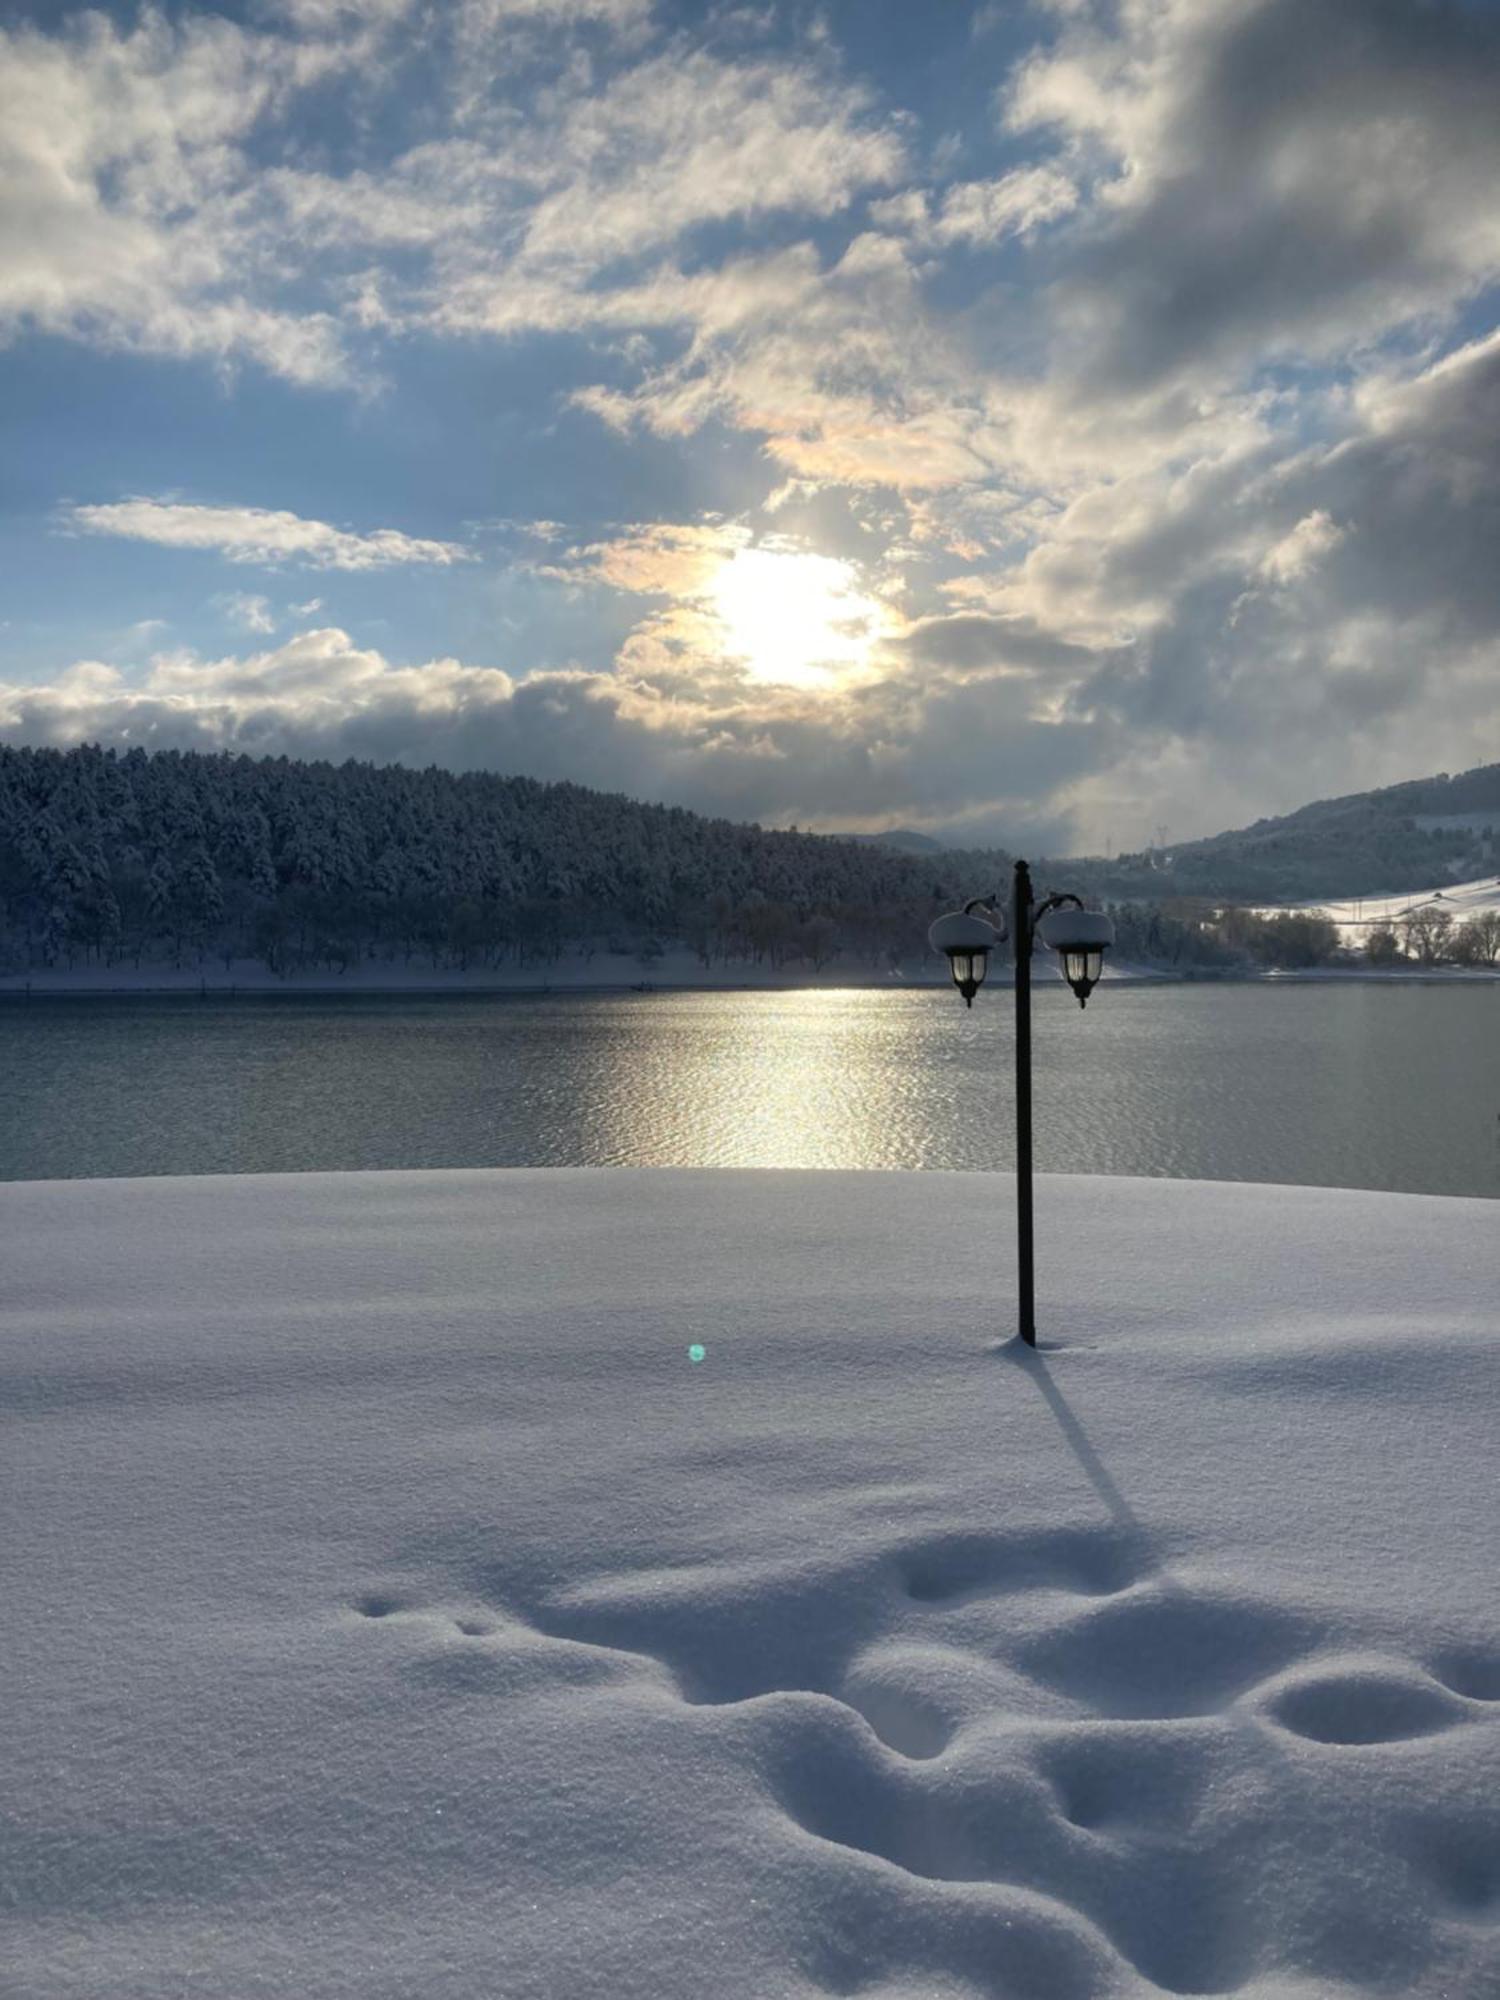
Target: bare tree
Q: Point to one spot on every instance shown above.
(1382, 946)
(1426, 933)
(1477, 942)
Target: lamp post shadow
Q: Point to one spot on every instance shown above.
(1033, 1363)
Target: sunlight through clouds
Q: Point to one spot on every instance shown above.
(775, 611)
(798, 619)
(914, 395)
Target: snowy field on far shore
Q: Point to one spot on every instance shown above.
(393, 1608)
(1355, 916)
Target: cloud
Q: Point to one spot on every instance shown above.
(1302, 548)
(721, 746)
(974, 642)
(840, 369)
(1170, 427)
(120, 163)
(685, 139)
(658, 558)
(322, 16)
(482, 27)
(159, 195)
(178, 214)
(984, 212)
(1329, 608)
(735, 606)
(251, 614)
(259, 535)
(1272, 179)
(623, 16)
(588, 208)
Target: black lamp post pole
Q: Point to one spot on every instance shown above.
(1025, 917)
(1020, 930)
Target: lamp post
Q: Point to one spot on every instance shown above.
(1080, 937)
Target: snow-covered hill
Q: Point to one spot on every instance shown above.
(394, 1606)
(1356, 915)
(1460, 899)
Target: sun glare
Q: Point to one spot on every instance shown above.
(800, 620)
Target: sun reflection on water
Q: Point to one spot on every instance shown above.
(809, 1079)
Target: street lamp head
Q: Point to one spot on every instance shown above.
(967, 940)
(1080, 938)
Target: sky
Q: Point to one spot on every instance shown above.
(1046, 423)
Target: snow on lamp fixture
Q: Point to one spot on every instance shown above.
(968, 941)
(1080, 938)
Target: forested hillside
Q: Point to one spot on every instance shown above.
(175, 855)
(144, 858)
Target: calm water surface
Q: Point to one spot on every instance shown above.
(1349, 1086)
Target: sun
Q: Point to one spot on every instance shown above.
(796, 619)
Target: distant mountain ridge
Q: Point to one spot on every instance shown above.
(1401, 837)
(1397, 838)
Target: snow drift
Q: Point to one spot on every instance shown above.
(394, 1608)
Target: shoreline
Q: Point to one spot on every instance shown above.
(158, 982)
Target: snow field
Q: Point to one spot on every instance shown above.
(1354, 916)
(393, 1608)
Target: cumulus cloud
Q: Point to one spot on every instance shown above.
(732, 605)
(1301, 548)
(1165, 423)
(623, 16)
(1275, 179)
(259, 535)
(324, 15)
(120, 158)
(1331, 607)
(784, 754)
(154, 195)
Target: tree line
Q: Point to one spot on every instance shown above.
(1197, 935)
(109, 858)
(1431, 936)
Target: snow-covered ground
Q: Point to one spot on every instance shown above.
(1355, 915)
(394, 1608)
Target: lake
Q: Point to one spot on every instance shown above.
(1354, 1085)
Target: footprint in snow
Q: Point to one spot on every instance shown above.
(1470, 1672)
(1087, 1562)
(1362, 1702)
(1165, 1904)
(378, 1604)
